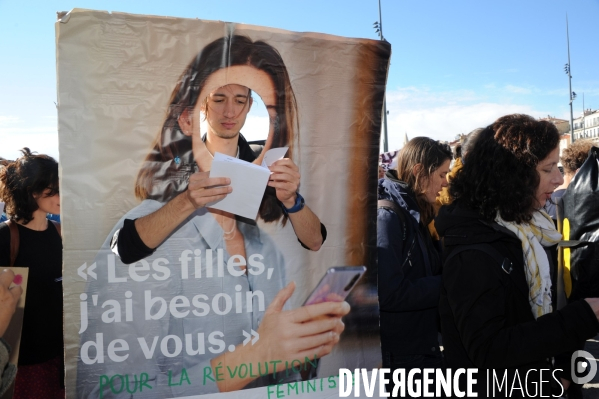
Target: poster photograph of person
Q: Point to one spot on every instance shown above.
(197, 261)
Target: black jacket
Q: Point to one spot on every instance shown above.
(408, 285)
(486, 320)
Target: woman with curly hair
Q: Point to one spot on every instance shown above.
(497, 302)
(29, 187)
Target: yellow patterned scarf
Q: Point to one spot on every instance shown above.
(539, 233)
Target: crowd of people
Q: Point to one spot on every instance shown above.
(495, 298)
(467, 254)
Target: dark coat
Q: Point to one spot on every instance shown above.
(486, 320)
(408, 288)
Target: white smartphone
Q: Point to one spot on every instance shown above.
(336, 284)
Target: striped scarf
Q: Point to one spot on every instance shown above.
(539, 233)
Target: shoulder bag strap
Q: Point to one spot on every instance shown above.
(505, 263)
(14, 241)
(423, 247)
(392, 206)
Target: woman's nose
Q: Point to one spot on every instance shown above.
(559, 179)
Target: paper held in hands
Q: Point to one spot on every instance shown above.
(247, 180)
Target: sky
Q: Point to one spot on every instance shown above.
(455, 66)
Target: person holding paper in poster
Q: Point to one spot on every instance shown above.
(226, 107)
(228, 277)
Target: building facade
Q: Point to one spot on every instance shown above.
(586, 125)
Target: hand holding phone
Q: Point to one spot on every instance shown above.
(336, 284)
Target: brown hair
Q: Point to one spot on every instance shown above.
(499, 175)
(169, 164)
(574, 156)
(20, 180)
(469, 141)
(429, 153)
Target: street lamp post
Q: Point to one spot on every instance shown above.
(379, 29)
(584, 129)
(572, 94)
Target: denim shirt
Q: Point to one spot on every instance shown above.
(225, 292)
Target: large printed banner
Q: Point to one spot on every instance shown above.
(142, 103)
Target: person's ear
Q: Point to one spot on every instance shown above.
(185, 122)
(416, 169)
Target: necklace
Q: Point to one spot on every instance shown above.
(231, 232)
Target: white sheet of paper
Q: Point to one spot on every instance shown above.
(273, 155)
(248, 182)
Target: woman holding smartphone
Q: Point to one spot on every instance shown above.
(218, 83)
(409, 259)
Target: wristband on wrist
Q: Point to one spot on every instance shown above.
(298, 206)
